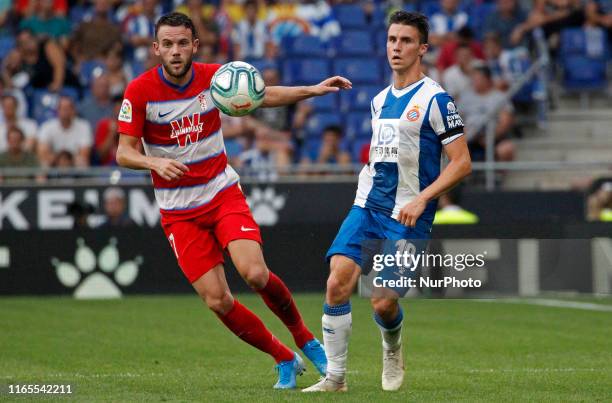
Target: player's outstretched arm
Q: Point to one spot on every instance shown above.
(279, 96)
(459, 167)
(129, 156)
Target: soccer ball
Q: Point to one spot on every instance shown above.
(237, 88)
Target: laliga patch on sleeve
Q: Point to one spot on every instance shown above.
(125, 114)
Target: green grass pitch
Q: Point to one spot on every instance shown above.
(173, 349)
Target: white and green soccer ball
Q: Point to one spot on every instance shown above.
(237, 88)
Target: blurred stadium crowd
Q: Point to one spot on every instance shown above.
(66, 63)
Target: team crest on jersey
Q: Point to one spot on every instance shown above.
(186, 129)
(413, 114)
(451, 107)
(125, 113)
(202, 101)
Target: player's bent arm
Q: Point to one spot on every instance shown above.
(129, 156)
(279, 96)
(459, 167)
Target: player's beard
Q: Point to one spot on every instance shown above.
(181, 73)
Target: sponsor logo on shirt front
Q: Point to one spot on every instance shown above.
(186, 129)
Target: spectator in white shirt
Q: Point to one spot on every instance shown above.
(250, 36)
(457, 78)
(27, 126)
(446, 22)
(67, 132)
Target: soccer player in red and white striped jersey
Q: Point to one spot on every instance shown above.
(203, 210)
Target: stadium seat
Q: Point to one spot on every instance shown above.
(7, 43)
(583, 56)
(310, 148)
(359, 125)
(263, 64)
(302, 45)
(359, 98)
(357, 148)
(305, 71)
(584, 73)
(319, 121)
(380, 38)
(478, 15)
(354, 43)
(44, 105)
(350, 16)
(326, 103)
(88, 70)
(591, 42)
(360, 71)
(430, 7)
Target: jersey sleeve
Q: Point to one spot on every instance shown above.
(132, 114)
(444, 118)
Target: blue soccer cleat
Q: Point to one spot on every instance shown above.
(313, 350)
(288, 371)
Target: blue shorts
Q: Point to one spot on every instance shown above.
(363, 224)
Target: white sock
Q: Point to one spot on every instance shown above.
(337, 321)
(391, 332)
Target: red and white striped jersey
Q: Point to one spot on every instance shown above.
(183, 124)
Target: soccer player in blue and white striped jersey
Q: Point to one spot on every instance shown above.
(413, 120)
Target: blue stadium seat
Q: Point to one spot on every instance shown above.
(359, 70)
(302, 45)
(430, 7)
(326, 103)
(359, 98)
(359, 125)
(88, 70)
(583, 56)
(305, 71)
(357, 146)
(354, 43)
(478, 15)
(7, 43)
(584, 73)
(350, 15)
(380, 37)
(263, 64)
(310, 148)
(44, 106)
(591, 42)
(319, 121)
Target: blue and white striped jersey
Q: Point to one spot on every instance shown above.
(409, 128)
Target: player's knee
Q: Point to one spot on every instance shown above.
(256, 275)
(385, 308)
(220, 304)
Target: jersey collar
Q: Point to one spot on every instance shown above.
(403, 91)
(172, 85)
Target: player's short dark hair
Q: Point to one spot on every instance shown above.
(417, 20)
(175, 19)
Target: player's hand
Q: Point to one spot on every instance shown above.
(410, 213)
(168, 169)
(331, 84)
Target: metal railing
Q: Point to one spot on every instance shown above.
(290, 173)
(488, 121)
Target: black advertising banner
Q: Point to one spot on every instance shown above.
(47, 208)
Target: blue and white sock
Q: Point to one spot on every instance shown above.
(337, 321)
(391, 331)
